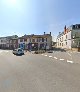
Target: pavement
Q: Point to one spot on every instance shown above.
(48, 72)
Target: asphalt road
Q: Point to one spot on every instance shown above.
(39, 73)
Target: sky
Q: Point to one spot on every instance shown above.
(19, 17)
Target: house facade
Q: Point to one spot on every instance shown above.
(70, 38)
(13, 43)
(9, 42)
(3, 41)
(34, 42)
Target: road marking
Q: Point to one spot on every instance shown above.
(42, 54)
(50, 56)
(6, 51)
(69, 54)
(1, 51)
(45, 55)
(61, 59)
(55, 57)
(69, 61)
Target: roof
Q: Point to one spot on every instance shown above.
(35, 36)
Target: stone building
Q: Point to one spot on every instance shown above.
(70, 38)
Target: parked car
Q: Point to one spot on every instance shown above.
(50, 51)
(18, 51)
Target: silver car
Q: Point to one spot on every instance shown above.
(18, 51)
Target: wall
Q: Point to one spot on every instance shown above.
(49, 41)
(75, 38)
(63, 42)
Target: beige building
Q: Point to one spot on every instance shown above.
(35, 41)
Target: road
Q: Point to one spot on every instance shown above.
(49, 72)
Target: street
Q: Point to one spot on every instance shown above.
(48, 72)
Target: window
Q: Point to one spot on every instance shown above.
(21, 40)
(42, 39)
(66, 36)
(62, 38)
(73, 41)
(1, 40)
(25, 40)
(78, 26)
(73, 27)
(33, 40)
(30, 40)
(60, 44)
(75, 35)
(46, 39)
(10, 41)
(37, 39)
(46, 44)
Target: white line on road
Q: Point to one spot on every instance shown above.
(61, 59)
(69, 54)
(1, 51)
(6, 51)
(42, 54)
(69, 61)
(55, 57)
(45, 55)
(50, 56)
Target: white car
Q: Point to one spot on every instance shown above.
(18, 51)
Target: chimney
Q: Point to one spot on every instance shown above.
(65, 29)
(50, 33)
(44, 33)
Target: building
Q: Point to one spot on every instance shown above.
(70, 38)
(3, 41)
(13, 43)
(35, 42)
(9, 42)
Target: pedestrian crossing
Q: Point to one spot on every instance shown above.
(61, 59)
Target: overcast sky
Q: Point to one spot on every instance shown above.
(36, 16)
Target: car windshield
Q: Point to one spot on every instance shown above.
(19, 49)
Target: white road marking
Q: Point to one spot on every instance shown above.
(1, 51)
(6, 51)
(69, 54)
(61, 59)
(55, 57)
(50, 56)
(70, 61)
(42, 54)
(45, 55)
